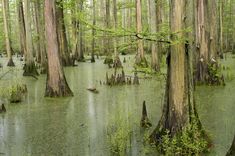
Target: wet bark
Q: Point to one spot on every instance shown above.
(56, 84)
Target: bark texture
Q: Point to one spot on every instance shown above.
(56, 82)
(6, 31)
(22, 27)
(179, 109)
(140, 58)
(29, 67)
(206, 39)
(61, 31)
(153, 28)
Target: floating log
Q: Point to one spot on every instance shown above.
(93, 90)
(145, 122)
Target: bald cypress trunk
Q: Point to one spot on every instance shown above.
(22, 27)
(176, 112)
(75, 30)
(81, 36)
(117, 63)
(108, 26)
(213, 30)
(221, 24)
(202, 40)
(29, 67)
(179, 110)
(153, 28)
(206, 39)
(93, 32)
(62, 39)
(231, 151)
(56, 84)
(6, 31)
(107, 51)
(140, 58)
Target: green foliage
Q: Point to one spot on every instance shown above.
(14, 93)
(141, 62)
(119, 135)
(191, 141)
(215, 76)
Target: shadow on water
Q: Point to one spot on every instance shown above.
(79, 125)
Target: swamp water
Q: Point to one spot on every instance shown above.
(80, 125)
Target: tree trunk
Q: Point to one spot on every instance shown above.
(213, 30)
(22, 27)
(231, 151)
(93, 32)
(107, 51)
(206, 37)
(140, 58)
(179, 109)
(117, 62)
(36, 29)
(108, 26)
(221, 28)
(153, 29)
(62, 39)
(56, 82)
(115, 25)
(160, 17)
(6, 31)
(75, 30)
(81, 36)
(29, 67)
(41, 37)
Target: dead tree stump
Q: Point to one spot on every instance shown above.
(3, 109)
